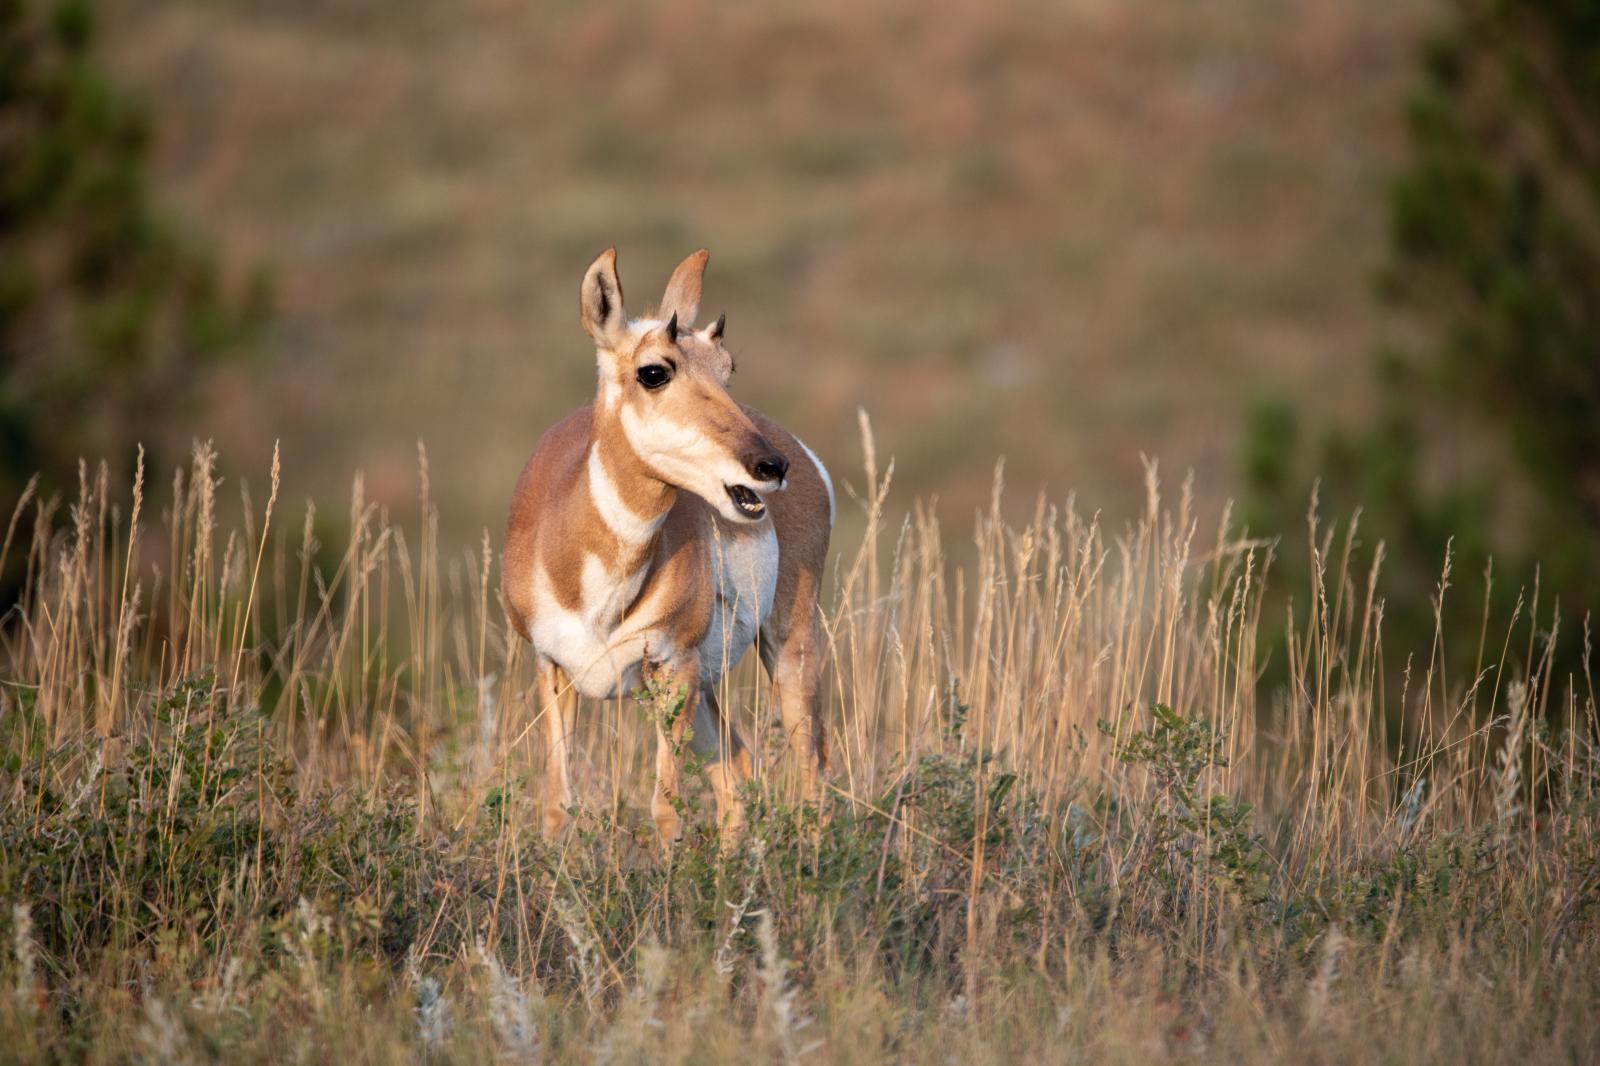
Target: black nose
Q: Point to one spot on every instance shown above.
(770, 468)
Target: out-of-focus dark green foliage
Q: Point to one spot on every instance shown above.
(1495, 256)
(106, 310)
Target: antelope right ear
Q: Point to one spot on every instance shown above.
(600, 301)
(682, 297)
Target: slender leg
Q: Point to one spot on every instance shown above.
(794, 663)
(669, 683)
(561, 722)
(717, 738)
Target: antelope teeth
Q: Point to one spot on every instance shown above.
(748, 503)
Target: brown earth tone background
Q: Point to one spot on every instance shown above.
(1066, 233)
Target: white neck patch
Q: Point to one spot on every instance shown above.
(627, 524)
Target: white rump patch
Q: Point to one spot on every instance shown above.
(826, 480)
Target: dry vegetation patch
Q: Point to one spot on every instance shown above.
(266, 798)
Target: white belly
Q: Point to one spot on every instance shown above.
(744, 565)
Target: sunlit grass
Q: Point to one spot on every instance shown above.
(270, 799)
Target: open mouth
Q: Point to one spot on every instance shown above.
(749, 504)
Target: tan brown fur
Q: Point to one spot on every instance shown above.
(792, 636)
(635, 570)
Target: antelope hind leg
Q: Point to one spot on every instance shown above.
(794, 663)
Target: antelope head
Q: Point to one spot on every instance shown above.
(664, 388)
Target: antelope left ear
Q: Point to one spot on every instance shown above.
(682, 297)
(600, 301)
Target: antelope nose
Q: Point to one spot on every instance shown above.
(771, 468)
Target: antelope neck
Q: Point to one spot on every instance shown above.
(631, 501)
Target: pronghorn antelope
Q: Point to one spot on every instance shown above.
(655, 535)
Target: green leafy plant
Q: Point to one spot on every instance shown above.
(1193, 826)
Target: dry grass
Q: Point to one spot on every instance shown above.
(266, 799)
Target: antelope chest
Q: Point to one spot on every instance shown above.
(744, 572)
(602, 651)
(599, 655)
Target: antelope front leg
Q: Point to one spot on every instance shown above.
(717, 739)
(675, 695)
(561, 721)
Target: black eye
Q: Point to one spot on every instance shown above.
(653, 376)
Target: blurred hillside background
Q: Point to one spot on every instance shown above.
(1066, 233)
(1070, 234)
(264, 782)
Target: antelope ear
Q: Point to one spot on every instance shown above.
(682, 297)
(600, 301)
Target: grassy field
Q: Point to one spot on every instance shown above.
(270, 800)
(1070, 233)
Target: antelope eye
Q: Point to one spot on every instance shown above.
(653, 376)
